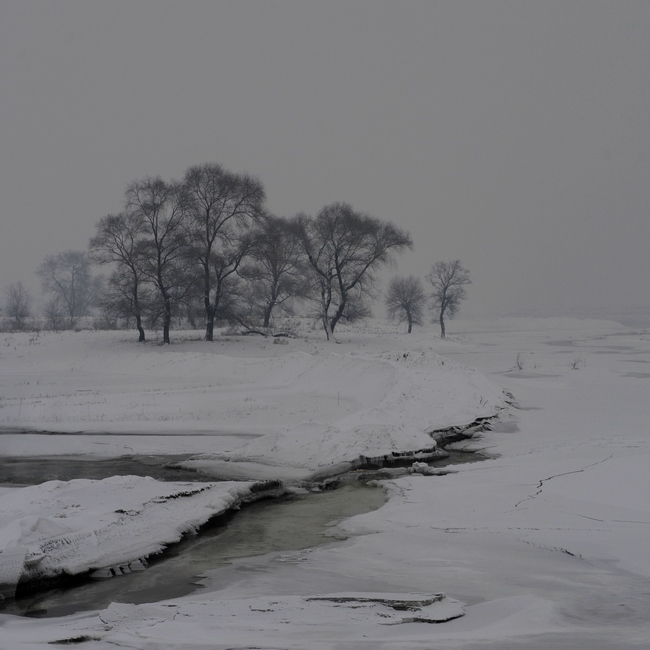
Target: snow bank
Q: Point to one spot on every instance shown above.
(316, 405)
(403, 395)
(107, 526)
(323, 621)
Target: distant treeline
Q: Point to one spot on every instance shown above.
(207, 249)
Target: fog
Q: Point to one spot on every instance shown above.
(511, 135)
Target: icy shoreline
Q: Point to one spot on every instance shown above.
(31, 545)
(58, 530)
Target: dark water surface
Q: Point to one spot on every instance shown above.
(32, 470)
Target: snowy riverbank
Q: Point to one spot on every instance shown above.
(107, 527)
(544, 545)
(313, 407)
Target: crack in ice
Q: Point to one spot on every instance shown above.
(540, 485)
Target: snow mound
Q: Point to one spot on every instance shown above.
(401, 397)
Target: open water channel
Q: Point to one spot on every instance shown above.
(293, 522)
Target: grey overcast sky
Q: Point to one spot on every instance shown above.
(514, 135)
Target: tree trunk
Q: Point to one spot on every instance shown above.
(168, 320)
(442, 325)
(338, 314)
(327, 327)
(325, 301)
(325, 318)
(209, 323)
(137, 312)
(267, 315)
(138, 324)
(209, 310)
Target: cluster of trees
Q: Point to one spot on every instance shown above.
(178, 244)
(406, 300)
(18, 304)
(68, 279)
(208, 241)
(205, 248)
(72, 287)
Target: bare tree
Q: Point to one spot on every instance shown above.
(121, 299)
(405, 300)
(120, 240)
(448, 280)
(54, 313)
(277, 270)
(221, 207)
(165, 260)
(67, 276)
(18, 302)
(344, 248)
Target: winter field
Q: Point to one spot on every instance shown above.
(543, 545)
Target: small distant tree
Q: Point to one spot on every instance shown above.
(448, 280)
(405, 300)
(18, 302)
(67, 277)
(54, 313)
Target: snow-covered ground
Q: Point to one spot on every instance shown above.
(545, 545)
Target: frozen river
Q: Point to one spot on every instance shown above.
(291, 523)
(287, 524)
(544, 544)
